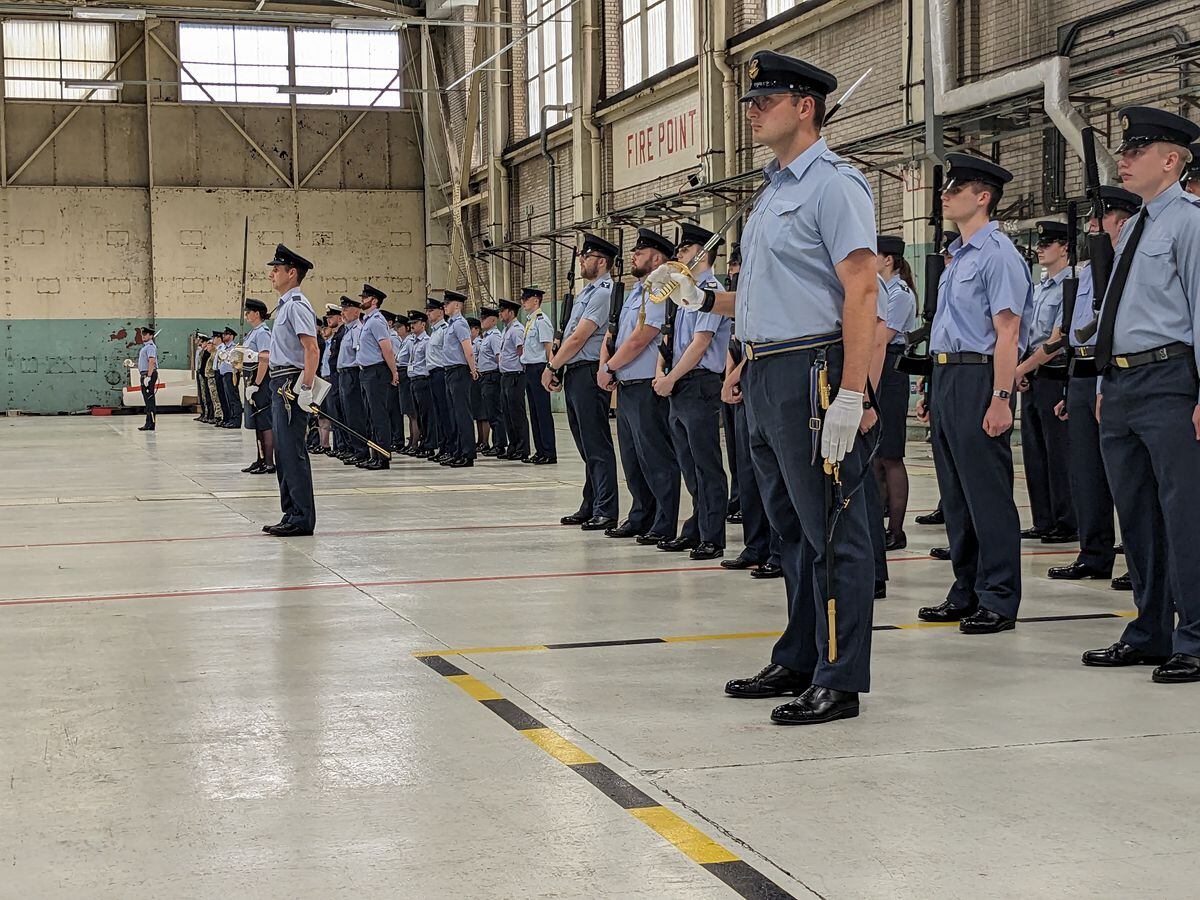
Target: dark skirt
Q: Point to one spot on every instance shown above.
(894, 392)
(262, 420)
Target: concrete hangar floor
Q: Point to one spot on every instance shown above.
(193, 709)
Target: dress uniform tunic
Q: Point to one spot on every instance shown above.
(512, 390)
(587, 404)
(985, 277)
(1146, 431)
(539, 331)
(293, 318)
(643, 430)
(350, 387)
(695, 416)
(1044, 436)
(813, 214)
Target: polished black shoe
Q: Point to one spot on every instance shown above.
(267, 470)
(734, 518)
(547, 460)
(986, 622)
(377, 465)
(254, 468)
(881, 590)
(816, 706)
(462, 462)
(768, 570)
(1076, 571)
(741, 561)
(707, 550)
(942, 553)
(677, 545)
(1035, 533)
(366, 463)
(1060, 536)
(895, 541)
(624, 530)
(772, 681)
(651, 538)
(1122, 583)
(1179, 669)
(267, 528)
(946, 612)
(490, 451)
(146, 428)
(1119, 655)
(287, 530)
(598, 523)
(527, 459)
(355, 460)
(937, 517)
(574, 519)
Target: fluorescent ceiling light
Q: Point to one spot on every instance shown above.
(357, 24)
(305, 89)
(90, 84)
(106, 14)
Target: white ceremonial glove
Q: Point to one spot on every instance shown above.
(841, 424)
(681, 288)
(304, 399)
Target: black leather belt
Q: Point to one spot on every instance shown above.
(634, 381)
(585, 362)
(1145, 358)
(694, 373)
(960, 359)
(1084, 367)
(284, 371)
(518, 372)
(418, 377)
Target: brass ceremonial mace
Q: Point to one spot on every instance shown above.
(711, 244)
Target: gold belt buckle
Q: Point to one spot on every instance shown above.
(749, 351)
(943, 358)
(1122, 362)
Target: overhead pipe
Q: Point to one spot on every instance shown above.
(1051, 75)
(552, 191)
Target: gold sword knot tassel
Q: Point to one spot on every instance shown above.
(831, 612)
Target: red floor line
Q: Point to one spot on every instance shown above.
(250, 534)
(333, 585)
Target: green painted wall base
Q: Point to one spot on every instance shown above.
(67, 365)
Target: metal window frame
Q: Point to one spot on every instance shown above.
(88, 95)
(642, 16)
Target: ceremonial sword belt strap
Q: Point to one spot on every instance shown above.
(579, 364)
(1145, 358)
(279, 371)
(961, 359)
(762, 349)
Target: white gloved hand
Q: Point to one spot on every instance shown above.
(304, 398)
(681, 288)
(841, 424)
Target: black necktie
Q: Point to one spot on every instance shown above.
(1116, 287)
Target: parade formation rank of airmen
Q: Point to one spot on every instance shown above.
(798, 353)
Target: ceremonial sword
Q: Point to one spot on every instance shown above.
(316, 410)
(712, 242)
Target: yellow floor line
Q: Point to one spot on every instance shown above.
(475, 688)
(690, 841)
(558, 746)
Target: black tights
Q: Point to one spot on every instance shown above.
(893, 490)
(266, 447)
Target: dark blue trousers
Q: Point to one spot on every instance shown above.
(696, 434)
(445, 432)
(761, 540)
(514, 430)
(975, 478)
(587, 415)
(378, 394)
(541, 420)
(776, 395)
(230, 400)
(729, 431)
(648, 459)
(493, 408)
(289, 424)
(426, 418)
(354, 412)
(1152, 458)
(1089, 483)
(458, 392)
(1045, 452)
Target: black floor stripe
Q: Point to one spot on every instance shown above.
(584, 644)
(1077, 618)
(748, 881)
(885, 627)
(512, 714)
(441, 666)
(614, 787)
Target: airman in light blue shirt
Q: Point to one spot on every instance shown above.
(434, 353)
(644, 364)
(986, 276)
(510, 347)
(372, 331)
(147, 352)
(457, 330)
(488, 356)
(419, 363)
(813, 214)
(1085, 312)
(689, 322)
(592, 303)
(901, 313)
(348, 354)
(539, 331)
(293, 317)
(1046, 313)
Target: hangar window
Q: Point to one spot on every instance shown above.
(775, 7)
(363, 67)
(655, 35)
(233, 63)
(42, 58)
(548, 60)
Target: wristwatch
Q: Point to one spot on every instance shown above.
(1003, 395)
